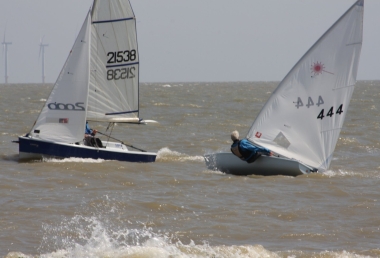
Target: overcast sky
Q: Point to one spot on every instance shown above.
(188, 40)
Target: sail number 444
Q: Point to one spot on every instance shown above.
(321, 114)
(330, 113)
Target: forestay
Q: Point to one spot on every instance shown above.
(62, 119)
(114, 77)
(303, 117)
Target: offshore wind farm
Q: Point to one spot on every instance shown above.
(5, 54)
(42, 55)
(5, 57)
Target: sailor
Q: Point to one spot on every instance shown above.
(245, 150)
(89, 137)
(88, 131)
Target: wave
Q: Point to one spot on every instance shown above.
(88, 237)
(158, 249)
(346, 173)
(171, 85)
(106, 232)
(71, 160)
(165, 154)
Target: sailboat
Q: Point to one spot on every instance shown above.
(303, 117)
(99, 82)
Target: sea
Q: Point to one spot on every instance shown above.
(176, 207)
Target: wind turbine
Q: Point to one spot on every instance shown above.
(42, 50)
(5, 51)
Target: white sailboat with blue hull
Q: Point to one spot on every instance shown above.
(303, 117)
(99, 82)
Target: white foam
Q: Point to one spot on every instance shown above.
(93, 239)
(70, 160)
(344, 173)
(165, 154)
(82, 236)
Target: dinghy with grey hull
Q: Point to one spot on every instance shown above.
(303, 117)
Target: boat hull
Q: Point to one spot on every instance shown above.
(265, 165)
(30, 148)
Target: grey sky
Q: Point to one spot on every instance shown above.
(188, 40)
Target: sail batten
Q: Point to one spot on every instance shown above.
(119, 113)
(121, 65)
(117, 20)
(344, 87)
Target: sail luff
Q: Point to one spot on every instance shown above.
(303, 117)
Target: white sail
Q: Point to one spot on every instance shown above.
(303, 117)
(62, 119)
(114, 77)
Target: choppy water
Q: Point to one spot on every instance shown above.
(176, 207)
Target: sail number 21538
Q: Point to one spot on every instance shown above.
(121, 56)
(121, 73)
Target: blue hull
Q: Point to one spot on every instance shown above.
(33, 147)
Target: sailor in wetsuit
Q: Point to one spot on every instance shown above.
(89, 137)
(245, 150)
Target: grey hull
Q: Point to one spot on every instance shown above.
(266, 166)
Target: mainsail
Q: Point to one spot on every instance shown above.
(100, 78)
(303, 117)
(114, 79)
(62, 119)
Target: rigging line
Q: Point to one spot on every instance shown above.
(113, 124)
(108, 127)
(123, 142)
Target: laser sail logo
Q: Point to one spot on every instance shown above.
(318, 68)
